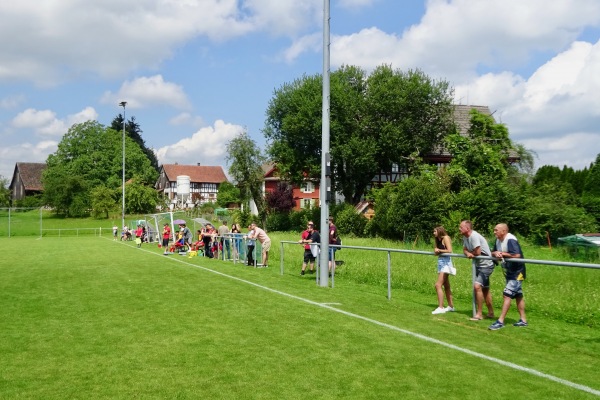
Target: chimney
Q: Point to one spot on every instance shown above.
(198, 164)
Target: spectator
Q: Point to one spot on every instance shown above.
(251, 242)
(207, 237)
(443, 247)
(128, 233)
(507, 247)
(308, 258)
(138, 235)
(333, 239)
(166, 236)
(265, 242)
(138, 232)
(236, 234)
(313, 241)
(475, 245)
(186, 234)
(223, 234)
(115, 231)
(199, 243)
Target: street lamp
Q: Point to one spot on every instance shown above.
(123, 104)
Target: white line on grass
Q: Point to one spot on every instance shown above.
(406, 332)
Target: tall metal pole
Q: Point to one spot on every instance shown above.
(123, 104)
(325, 183)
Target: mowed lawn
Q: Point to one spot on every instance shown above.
(92, 318)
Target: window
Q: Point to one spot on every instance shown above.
(307, 203)
(307, 187)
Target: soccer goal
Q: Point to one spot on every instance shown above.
(155, 223)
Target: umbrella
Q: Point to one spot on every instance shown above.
(178, 222)
(202, 221)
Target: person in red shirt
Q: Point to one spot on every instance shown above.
(166, 235)
(309, 259)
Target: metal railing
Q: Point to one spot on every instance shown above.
(70, 232)
(428, 253)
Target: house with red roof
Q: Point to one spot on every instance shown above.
(204, 182)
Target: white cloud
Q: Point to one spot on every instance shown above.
(186, 119)
(355, 3)
(575, 150)
(24, 152)
(307, 43)
(207, 146)
(11, 101)
(455, 38)
(45, 122)
(284, 18)
(555, 112)
(65, 40)
(147, 92)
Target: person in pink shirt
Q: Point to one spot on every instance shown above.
(264, 240)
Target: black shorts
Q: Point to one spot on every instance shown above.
(165, 242)
(308, 257)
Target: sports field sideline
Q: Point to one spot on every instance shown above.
(93, 318)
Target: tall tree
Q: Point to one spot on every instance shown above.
(408, 114)
(482, 155)
(90, 155)
(591, 190)
(4, 192)
(389, 118)
(133, 130)
(245, 167)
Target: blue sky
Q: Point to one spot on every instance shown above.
(196, 73)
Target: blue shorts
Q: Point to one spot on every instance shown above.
(513, 289)
(332, 251)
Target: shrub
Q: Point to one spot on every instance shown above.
(348, 221)
(278, 222)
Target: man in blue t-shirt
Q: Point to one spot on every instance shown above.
(508, 247)
(475, 245)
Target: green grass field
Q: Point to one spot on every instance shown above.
(92, 318)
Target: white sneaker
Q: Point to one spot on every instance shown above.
(449, 309)
(439, 310)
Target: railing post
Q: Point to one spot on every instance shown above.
(474, 276)
(281, 258)
(389, 274)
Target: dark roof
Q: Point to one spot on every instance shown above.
(197, 173)
(270, 172)
(462, 119)
(462, 116)
(31, 175)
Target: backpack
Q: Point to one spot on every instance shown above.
(338, 241)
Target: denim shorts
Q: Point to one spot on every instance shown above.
(482, 276)
(513, 289)
(445, 265)
(332, 251)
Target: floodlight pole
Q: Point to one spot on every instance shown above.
(324, 186)
(123, 104)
